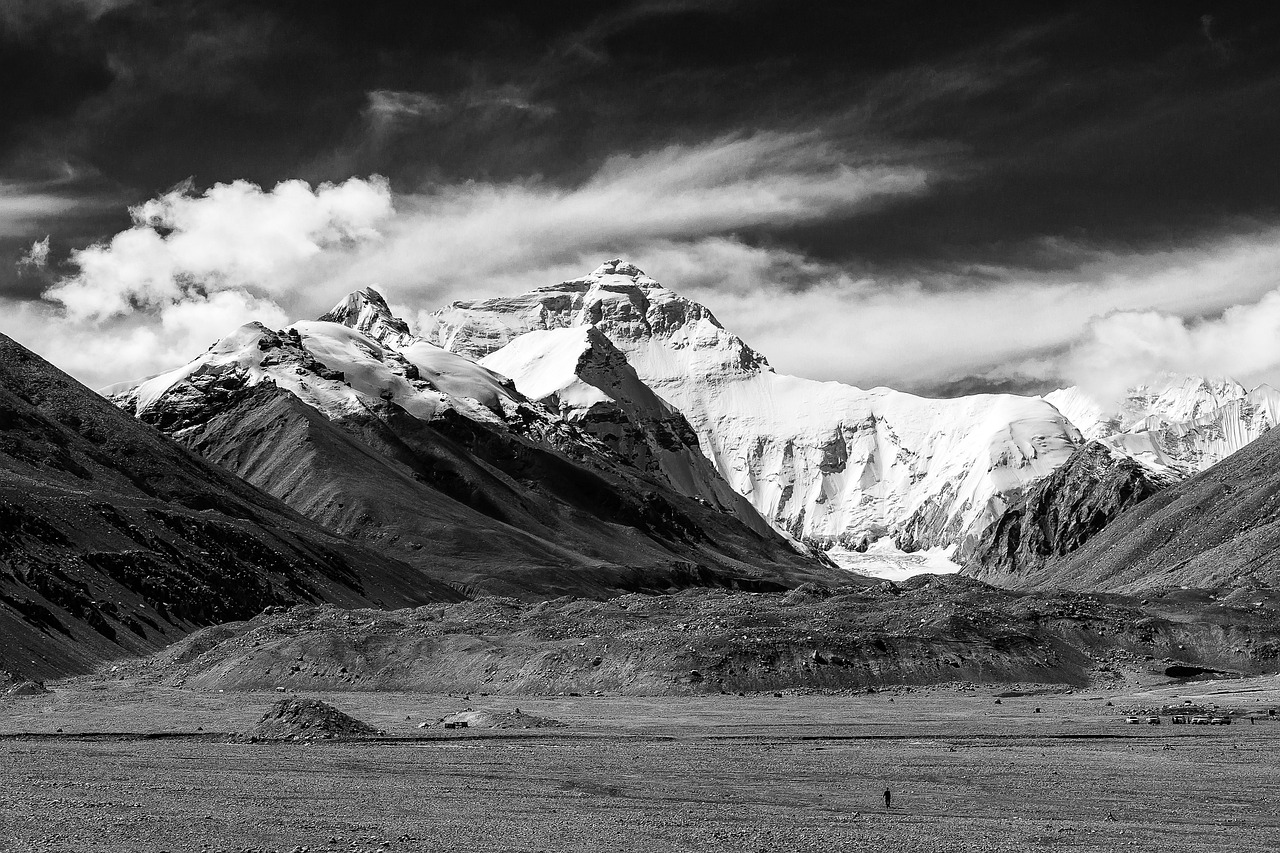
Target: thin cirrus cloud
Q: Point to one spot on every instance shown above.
(22, 206)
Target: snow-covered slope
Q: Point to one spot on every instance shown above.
(580, 374)
(824, 461)
(332, 368)
(1184, 423)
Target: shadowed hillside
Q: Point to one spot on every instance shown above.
(115, 541)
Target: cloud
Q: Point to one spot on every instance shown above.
(296, 249)
(386, 106)
(37, 257)
(474, 234)
(102, 352)
(23, 207)
(1130, 347)
(193, 266)
(191, 269)
(1115, 320)
(21, 16)
(234, 237)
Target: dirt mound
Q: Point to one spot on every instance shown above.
(516, 719)
(306, 719)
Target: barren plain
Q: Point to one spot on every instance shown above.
(115, 765)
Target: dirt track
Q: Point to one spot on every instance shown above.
(800, 772)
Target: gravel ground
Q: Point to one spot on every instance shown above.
(791, 773)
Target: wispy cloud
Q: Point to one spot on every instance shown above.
(24, 206)
(389, 111)
(464, 234)
(390, 106)
(295, 249)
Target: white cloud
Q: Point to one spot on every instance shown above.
(233, 237)
(933, 329)
(101, 352)
(1126, 348)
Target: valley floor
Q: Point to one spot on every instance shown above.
(760, 772)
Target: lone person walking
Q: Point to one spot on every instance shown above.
(887, 798)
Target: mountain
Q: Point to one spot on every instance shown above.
(436, 460)
(825, 462)
(114, 540)
(1061, 512)
(581, 376)
(1218, 530)
(1184, 423)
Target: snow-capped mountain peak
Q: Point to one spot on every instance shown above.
(631, 308)
(823, 461)
(618, 266)
(367, 311)
(1181, 422)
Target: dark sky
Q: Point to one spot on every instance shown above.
(1118, 127)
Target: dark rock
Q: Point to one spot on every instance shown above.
(1060, 513)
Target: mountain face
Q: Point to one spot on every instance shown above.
(1184, 423)
(826, 462)
(1061, 512)
(115, 541)
(581, 376)
(443, 463)
(1218, 530)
